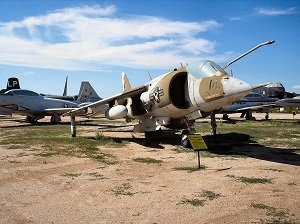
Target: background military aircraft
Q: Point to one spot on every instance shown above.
(262, 100)
(289, 102)
(35, 106)
(248, 104)
(175, 99)
(12, 83)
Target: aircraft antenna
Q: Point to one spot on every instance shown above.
(248, 52)
(149, 75)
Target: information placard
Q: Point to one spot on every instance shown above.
(197, 142)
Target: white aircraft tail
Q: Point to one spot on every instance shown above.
(87, 93)
(125, 83)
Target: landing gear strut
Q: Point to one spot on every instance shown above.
(73, 126)
(213, 123)
(184, 134)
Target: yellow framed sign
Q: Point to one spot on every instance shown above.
(197, 142)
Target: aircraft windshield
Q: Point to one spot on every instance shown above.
(204, 69)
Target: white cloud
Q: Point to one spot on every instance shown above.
(93, 37)
(236, 18)
(276, 12)
(297, 87)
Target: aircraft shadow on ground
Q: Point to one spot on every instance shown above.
(23, 123)
(229, 144)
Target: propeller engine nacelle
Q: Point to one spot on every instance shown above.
(116, 112)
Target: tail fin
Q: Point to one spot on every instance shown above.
(13, 83)
(66, 87)
(87, 93)
(125, 83)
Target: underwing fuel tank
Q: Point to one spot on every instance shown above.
(116, 112)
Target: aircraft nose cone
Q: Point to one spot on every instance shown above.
(235, 87)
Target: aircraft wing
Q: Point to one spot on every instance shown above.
(7, 109)
(59, 110)
(126, 94)
(257, 107)
(289, 102)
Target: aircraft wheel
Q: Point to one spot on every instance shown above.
(31, 120)
(185, 142)
(55, 119)
(225, 117)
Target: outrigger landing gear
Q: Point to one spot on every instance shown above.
(73, 126)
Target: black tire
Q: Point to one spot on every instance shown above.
(31, 120)
(225, 117)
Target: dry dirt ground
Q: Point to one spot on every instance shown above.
(61, 189)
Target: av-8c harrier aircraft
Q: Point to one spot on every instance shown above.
(35, 106)
(175, 99)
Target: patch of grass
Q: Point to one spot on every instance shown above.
(54, 140)
(124, 189)
(279, 216)
(199, 198)
(222, 154)
(267, 133)
(147, 160)
(47, 153)
(210, 195)
(275, 170)
(190, 169)
(101, 138)
(194, 202)
(292, 184)
(72, 174)
(97, 176)
(251, 180)
(14, 161)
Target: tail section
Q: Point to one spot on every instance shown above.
(12, 83)
(87, 93)
(66, 87)
(125, 83)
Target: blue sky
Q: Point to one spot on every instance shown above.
(42, 42)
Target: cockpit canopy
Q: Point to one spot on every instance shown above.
(21, 92)
(205, 69)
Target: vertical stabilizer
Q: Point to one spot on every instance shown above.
(125, 83)
(87, 93)
(66, 87)
(13, 83)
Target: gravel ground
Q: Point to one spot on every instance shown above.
(61, 189)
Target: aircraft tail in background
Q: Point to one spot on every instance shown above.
(12, 83)
(125, 83)
(66, 87)
(87, 93)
